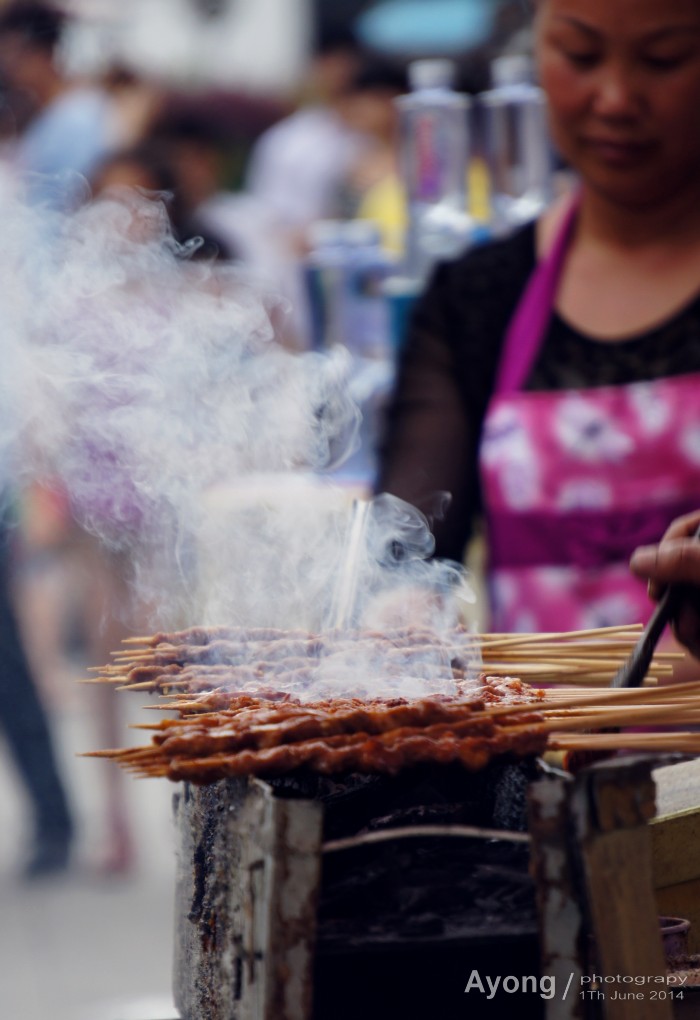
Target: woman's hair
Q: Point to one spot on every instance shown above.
(148, 157)
(37, 24)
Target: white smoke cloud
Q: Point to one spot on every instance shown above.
(152, 388)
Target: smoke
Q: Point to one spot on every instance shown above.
(151, 388)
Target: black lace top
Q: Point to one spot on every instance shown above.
(447, 373)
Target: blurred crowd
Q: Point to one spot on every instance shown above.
(509, 344)
(242, 177)
(530, 393)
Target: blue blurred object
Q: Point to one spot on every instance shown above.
(428, 27)
(345, 273)
(401, 294)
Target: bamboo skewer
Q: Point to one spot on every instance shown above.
(586, 658)
(215, 696)
(653, 743)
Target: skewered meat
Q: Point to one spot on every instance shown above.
(265, 702)
(246, 735)
(358, 753)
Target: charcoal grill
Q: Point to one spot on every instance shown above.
(296, 896)
(311, 898)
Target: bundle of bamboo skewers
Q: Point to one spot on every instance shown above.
(250, 702)
(199, 658)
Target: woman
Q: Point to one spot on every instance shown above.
(552, 380)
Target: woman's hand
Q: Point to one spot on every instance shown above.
(676, 560)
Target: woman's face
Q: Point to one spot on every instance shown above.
(623, 81)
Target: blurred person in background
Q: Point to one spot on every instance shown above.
(136, 104)
(159, 167)
(144, 167)
(69, 127)
(297, 174)
(72, 592)
(195, 154)
(25, 725)
(80, 589)
(297, 167)
(95, 600)
(551, 381)
(71, 124)
(59, 127)
(373, 187)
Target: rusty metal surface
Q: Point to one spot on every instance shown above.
(558, 895)
(246, 893)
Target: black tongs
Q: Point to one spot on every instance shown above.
(634, 670)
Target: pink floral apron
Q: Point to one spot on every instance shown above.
(574, 480)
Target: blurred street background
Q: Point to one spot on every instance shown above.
(255, 120)
(87, 944)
